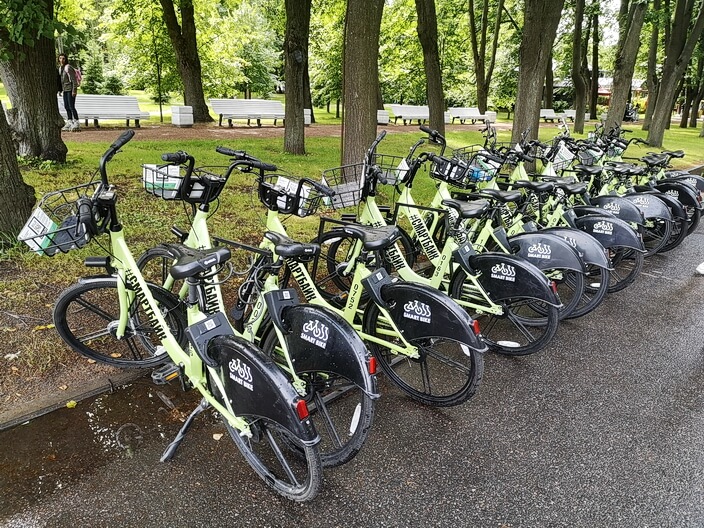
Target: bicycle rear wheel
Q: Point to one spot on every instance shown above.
(526, 325)
(283, 462)
(86, 317)
(340, 410)
(626, 264)
(596, 285)
(446, 372)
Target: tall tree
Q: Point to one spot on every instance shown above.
(183, 39)
(548, 94)
(28, 70)
(687, 27)
(541, 18)
(578, 81)
(16, 198)
(653, 80)
(360, 77)
(428, 35)
(296, 56)
(630, 19)
(478, 34)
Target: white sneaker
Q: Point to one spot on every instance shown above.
(74, 125)
(67, 125)
(700, 269)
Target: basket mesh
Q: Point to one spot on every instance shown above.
(287, 195)
(347, 182)
(54, 225)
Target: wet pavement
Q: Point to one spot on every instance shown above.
(603, 429)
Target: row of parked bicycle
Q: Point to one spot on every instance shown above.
(493, 261)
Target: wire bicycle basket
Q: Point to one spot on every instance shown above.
(462, 173)
(394, 168)
(167, 182)
(54, 225)
(346, 181)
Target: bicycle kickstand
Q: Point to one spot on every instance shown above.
(173, 446)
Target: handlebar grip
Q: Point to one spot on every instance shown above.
(229, 152)
(266, 167)
(175, 157)
(428, 130)
(123, 139)
(324, 189)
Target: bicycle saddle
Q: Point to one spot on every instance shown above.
(190, 262)
(373, 238)
(287, 247)
(467, 209)
(543, 186)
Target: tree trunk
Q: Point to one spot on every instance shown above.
(595, 67)
(296, 57)
(686, 105)
(549, 84)
(183, 39)
(541, 18)
(678, 53)
(580, 87)
(16, 197)
(29, 77)
(652, 77)
(428, 36)
(483, 72)
(360, 77)
(696, 103)
(630, 26)
(307, 97)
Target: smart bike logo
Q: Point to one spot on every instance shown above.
(241, 373)
(690, 181)
(417, 311)
(316, 333)
(641, 200)
(504, 272)
(540, 251)
(603, 227)
(612, 207)
(673, 192)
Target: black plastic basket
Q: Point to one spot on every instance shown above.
(286, 195)
(54, 225)
(346, 182)
(461, 173)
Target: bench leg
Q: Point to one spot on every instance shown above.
(95, 123)
(259, 122)
(127, 123)
(136, 123)
(229, 123)
(220, 120)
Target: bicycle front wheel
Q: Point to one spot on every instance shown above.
(341, 411)
(86, 316)
(446, 372)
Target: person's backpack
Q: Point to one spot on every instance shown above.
(79, 77)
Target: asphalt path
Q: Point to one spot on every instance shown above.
(605, 428)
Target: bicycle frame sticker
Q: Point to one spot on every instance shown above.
(134, 285)
(316, 333)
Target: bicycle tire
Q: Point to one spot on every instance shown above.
(626, 264)
(678, 233)
(656, 234)
(595, 289)
(334, 404)
(86, 316)
(526, 325)
(457, 368)
(693, 217)
(570, 288)
(155, 265)
(298, 479)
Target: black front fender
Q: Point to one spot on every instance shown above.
(620, 207)
(320, 340)
(650, 205)
(680, 190)
(421, 311)
(257, 387)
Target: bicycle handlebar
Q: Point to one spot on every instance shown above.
(111, 151)
(251, 161)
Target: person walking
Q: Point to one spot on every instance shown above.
(69, 87)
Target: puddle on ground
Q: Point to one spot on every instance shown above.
(55, 450)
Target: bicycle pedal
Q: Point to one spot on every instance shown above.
(166, 373)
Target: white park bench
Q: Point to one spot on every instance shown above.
(249, 109)
(548, 114)
(410, 113)
(95, 107)
(471, 114)
(571, 114)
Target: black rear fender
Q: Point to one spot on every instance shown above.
(620, 208)
(255, 386)
(588, 248)
(546, 251)
(684, 193)
(694, 180)
(610, 231)
(508, 276)
(650, 205)
(320, 340)
(674, 205)
(421, 311)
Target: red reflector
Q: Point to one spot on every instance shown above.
(372, 365)
(475, 327)
(553, 285)
(302, 409)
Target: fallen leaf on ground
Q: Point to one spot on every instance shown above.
(63, 387)
(217, 436)
(71, 404)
